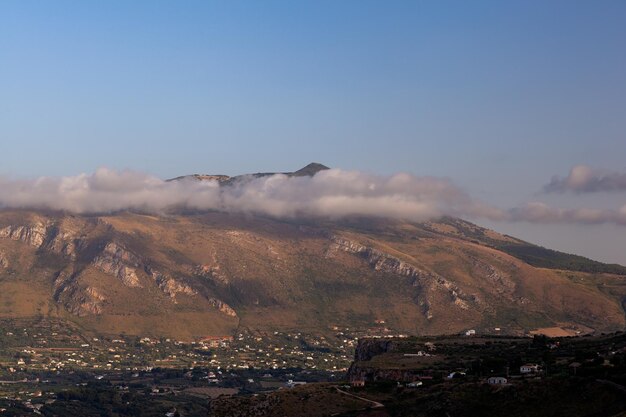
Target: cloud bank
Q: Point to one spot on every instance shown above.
(584, 179)
(537, 212)
(330, 193)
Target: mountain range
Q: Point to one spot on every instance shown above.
(191, 275)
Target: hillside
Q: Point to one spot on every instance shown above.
(532, 254)
(194, 275)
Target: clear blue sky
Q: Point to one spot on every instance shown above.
(497, 95)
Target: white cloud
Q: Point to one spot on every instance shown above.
(537, 212)
(584, 179)
(331, 193)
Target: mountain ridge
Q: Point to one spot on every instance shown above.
(212, 273)
(307, 171)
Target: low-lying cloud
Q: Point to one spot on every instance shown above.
(537, 212)
(584, 179)
(330, 193)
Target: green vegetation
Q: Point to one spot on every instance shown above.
(547, 258)
(534, 255)
(557, 397)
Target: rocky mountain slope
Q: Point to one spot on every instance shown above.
(206, 274)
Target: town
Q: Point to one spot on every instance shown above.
(49, 365)
(41, 358)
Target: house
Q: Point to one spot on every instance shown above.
(419, 353)
(529, 368)
(217, 341)
(470, 332)
(291, 383)
(497, 380)
(358, 383)
(415, 384)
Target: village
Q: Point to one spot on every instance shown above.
(42, 363)
(40, 359)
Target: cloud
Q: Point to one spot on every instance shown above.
(537, 212)
(330, 193)
(101, 192)
(584, 179)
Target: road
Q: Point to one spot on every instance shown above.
(375, 404)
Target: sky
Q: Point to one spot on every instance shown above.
(500, 101)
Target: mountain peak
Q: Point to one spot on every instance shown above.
(310, 170)
(307, 171)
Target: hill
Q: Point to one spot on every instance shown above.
(194, 275)
(533, 254)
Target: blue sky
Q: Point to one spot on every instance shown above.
(498, 96)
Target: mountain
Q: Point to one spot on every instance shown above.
(199, 274)
(309, 170)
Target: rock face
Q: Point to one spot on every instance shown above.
(169, 285)
(211, 272)
(34, 235)
(427, 281)
(84, 301)
(112, 258)
(359, 372)
(362, 370)
(64, 243)
(117, 261)
(222, 307)
(368, 348)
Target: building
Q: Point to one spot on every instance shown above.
(358, 383)
(497, 380)
(291, 383)
(217, 341)
(415, 384)
(529, 368)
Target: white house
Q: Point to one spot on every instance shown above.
(529, 368)
(497, 380)
(291, 383)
